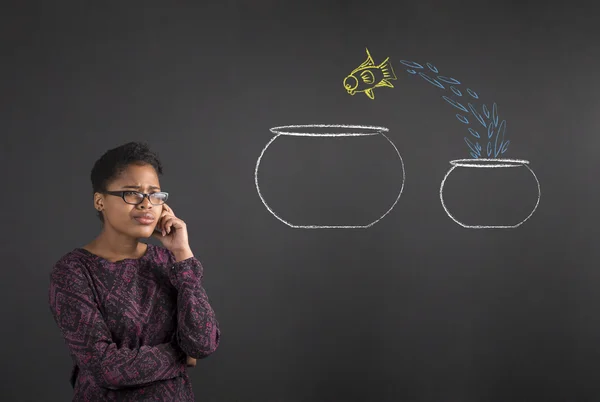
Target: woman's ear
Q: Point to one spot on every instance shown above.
(98, 201)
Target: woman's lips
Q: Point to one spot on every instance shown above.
(144, 220)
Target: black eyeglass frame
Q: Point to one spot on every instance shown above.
(122, 195)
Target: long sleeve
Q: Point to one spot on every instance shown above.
(198, 331)
(89, 340)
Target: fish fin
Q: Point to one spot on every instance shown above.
(370, 93)
(367, 76)
(367, 63)
(384, 83)
(387, 70)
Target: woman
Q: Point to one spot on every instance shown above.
(133, 315)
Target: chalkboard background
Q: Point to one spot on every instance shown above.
(415, 308)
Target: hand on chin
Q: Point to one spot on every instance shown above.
(172, 232)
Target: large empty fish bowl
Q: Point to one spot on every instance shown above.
(490, 193)
(329, 175)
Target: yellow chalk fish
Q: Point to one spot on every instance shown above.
(368, 76)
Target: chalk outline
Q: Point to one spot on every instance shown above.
(279, 131)
(473, 163)
(386, 69)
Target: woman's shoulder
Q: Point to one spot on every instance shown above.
(72, 260)
(79, 259)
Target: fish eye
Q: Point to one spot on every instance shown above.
(350, 82)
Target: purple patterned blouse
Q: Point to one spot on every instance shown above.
(130, 324)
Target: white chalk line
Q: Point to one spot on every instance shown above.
(368, 130)
(455, 165)
(328, 226)
(499, 162)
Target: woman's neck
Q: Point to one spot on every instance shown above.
(115, 246)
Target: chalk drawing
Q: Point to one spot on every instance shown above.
(486, 123)
(485, 127)
(351, 131)
(368, 76)
(491, 163)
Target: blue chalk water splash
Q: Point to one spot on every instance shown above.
(484, 125)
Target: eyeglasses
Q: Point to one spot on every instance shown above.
(135, 197)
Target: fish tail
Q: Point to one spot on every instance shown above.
(387, 70)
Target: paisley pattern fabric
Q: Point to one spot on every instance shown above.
(130, 324)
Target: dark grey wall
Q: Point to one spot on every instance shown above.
(415, 308)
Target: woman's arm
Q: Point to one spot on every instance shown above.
(197, 326)
(89, 340)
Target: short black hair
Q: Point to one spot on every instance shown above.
(116, 160)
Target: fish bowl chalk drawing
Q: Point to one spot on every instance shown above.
(487, 191)
(365, 169)
(488, 168)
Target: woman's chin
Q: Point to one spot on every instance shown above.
(143, 231)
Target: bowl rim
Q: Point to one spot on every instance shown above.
(489, 162)
(367, 130)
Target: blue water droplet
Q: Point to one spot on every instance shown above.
(411, 71)
(456, 91)
(489, 148)
(411, 64)
(472, 146)
(477, 115)
(432, 68)
(455, 104)
(448, 80)
(474, 133)
(495, 114)
(432, 80)
(500, 137)
(473, 94)
(462, 118)
(486, 111)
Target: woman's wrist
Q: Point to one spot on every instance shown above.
(183, 254)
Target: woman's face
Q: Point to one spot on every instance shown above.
(132, 220)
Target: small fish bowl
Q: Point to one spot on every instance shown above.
(484, 193)
(318, 176)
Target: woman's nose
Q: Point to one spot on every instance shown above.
(145, 203)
